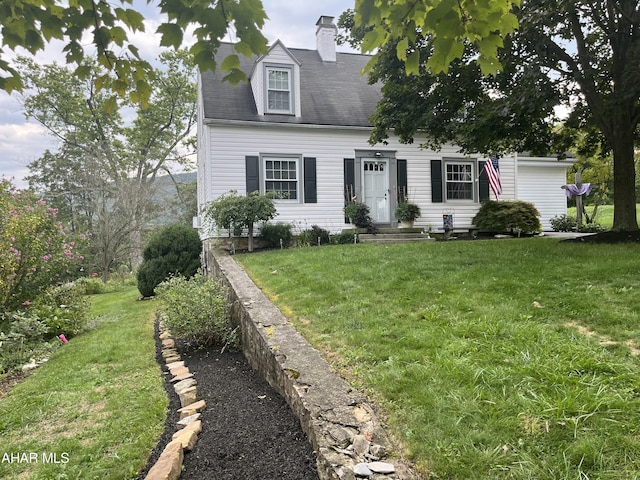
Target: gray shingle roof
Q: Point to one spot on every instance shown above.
(332, 93)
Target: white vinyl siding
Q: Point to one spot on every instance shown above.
(228, 145)
(540, 182)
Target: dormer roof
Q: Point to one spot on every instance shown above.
(275, 45)
(331, 93)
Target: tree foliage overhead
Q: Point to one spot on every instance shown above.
(581, 55)
(450, 23)
(107, 26)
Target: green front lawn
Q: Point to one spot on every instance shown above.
(493, 359)
(604, 214)
(96, 409)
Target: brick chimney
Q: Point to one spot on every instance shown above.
(326, 38)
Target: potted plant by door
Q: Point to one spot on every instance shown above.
(406, 213)
(358, 214)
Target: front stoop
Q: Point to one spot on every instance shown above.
(396, 235)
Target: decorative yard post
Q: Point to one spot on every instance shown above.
(579, 199)
(578, 189)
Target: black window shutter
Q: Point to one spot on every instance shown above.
(310, 184)
(252, 172)
(349, 181)
(483, 183)
(436, 181)
(402, 181)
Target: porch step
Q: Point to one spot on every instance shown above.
(395, 237)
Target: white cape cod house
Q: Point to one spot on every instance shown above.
(300, 126)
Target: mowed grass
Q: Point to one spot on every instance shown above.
(96, 409)
(604, 215)
(492, 359)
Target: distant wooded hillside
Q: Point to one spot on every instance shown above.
(176, 199)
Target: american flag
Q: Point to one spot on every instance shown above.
(493, 173)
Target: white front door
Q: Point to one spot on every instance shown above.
(375, 179)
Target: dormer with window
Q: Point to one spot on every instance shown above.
(275, 82)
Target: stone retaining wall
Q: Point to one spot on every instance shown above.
(343, 429)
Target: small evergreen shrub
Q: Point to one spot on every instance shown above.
(344, 238)
(64, 309)
(311, 236)
(592, 228)
(508, 216)
(196, 310)
(174, 250)
(91, 285)
(563, 223)
(271, 233)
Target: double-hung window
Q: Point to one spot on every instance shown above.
(281, 177)
(459, 180)
(279, 88)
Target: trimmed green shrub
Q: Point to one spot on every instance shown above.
(272, 233)
(344, 238)
(592, 228)
(174, 250)
(313, 236)
(563, 223)
(91, 285)
(63, 309)
(508, 216)
(196, 310)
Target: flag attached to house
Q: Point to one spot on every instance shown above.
(492, 168)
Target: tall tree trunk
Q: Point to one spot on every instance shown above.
(624, 182)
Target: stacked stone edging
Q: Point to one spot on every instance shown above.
(169, 465)
(343, 429)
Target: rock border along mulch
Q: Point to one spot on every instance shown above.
(169, 464)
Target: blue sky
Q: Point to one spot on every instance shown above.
(22, 141)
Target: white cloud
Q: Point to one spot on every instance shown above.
(21, 144)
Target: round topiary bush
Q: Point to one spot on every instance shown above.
(508, 216)
(174, 250)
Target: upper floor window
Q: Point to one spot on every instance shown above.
(279, 88)
(281, 177)
(459, 180)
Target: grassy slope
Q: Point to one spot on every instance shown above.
(99, 401)
(492, 358)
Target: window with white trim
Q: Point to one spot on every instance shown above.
(279, 88)
(459, 184)
(281, 177)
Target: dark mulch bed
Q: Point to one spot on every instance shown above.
(608, 237)
(248, 430)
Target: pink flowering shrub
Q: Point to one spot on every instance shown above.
(34, 249)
